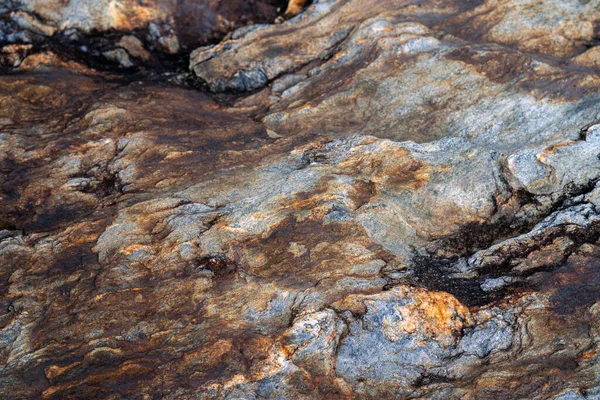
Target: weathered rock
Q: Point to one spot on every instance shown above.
(246, 62)
(405, 205)
(113, 30)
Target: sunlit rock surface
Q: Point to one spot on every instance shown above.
(372, 199)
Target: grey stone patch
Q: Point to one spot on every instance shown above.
(277, 313)
(367, 269)
(493, 284)
(571, 395)
(496, 334)
(119, 56)
(283, 84)
(163, 37)
(313, 339)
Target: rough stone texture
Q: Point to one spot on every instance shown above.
(374, 199)
(111, 32)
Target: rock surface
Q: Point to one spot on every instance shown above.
(386, 200)
(126, 33)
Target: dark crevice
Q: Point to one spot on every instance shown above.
(435, 273)
(218, 264)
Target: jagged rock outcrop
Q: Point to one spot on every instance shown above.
(123, 33)
(374, 199)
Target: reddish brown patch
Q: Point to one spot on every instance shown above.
(363, 192)
(413, 173)
(199, 22)
(324, 250)
(497, 66)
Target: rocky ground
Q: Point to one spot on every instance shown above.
(371, 199)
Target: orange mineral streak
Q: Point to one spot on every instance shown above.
(588, 355)
(294, 8)
(425, 314)
(553, 149)
(54, 371)
(135, 247)
(397, 169)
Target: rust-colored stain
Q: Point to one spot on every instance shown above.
(427, 314)
(497, 66)
(396, 169)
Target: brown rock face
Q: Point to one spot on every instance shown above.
(129, 34)
(372, 199)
